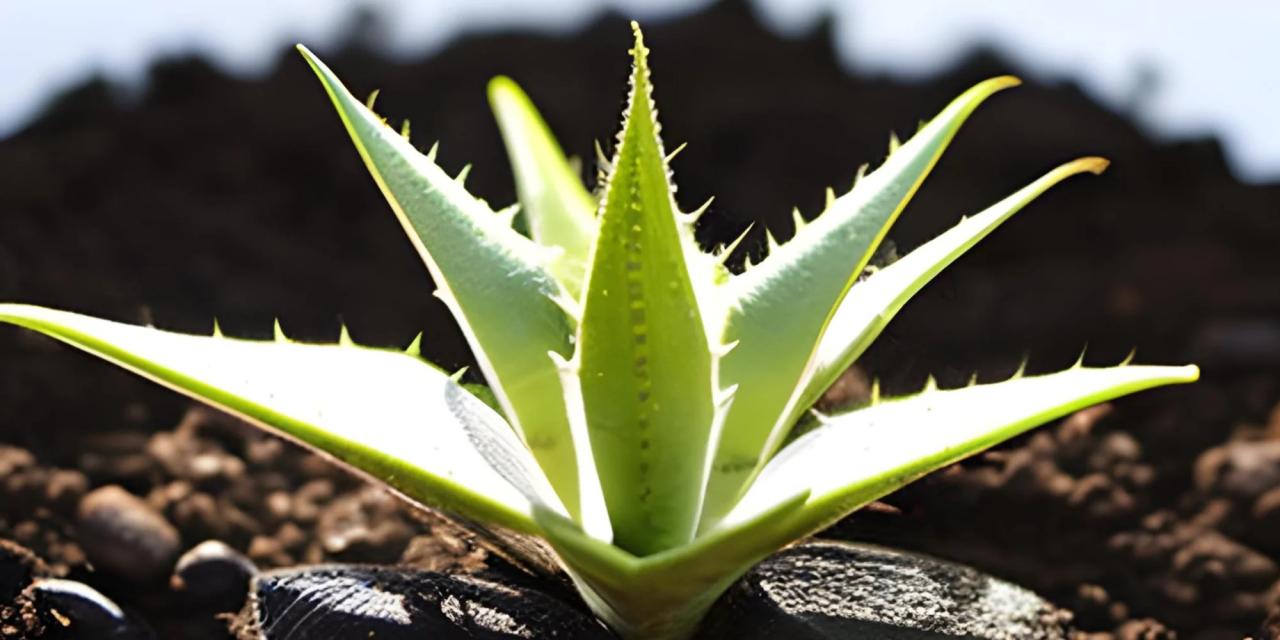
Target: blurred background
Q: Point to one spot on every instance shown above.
(1182, 68)
(172, 162)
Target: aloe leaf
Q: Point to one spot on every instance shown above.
(643, 356)
(494, 280)
(385, 413)
(779, 309)
(665, 595)
(859, 456)
(869, 306)
(558, 208)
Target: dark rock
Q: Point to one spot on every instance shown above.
(391, 603)
(832, 590)
(214, 576)
(84, 612)
(122, 534)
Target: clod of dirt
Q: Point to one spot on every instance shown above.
(390, 603)
(123, 535)
(828, 590)
(18, 567)
(27, 485)
(83, 612)
(366, 526)
(213, 576)
(1145, 629)
(1240, 469)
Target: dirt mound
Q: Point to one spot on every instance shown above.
(242, 198)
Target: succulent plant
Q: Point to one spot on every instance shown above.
(641, 397)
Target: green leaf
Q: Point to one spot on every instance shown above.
(859, 456)
(385, 413)
(779, 309)
(494, 280)
(643, 359)
(560, 211)
(872, 303)
(665, 595)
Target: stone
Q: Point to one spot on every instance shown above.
(122, 534)
(214, 576)
(84, 612)
(333, 602)
(835, 590)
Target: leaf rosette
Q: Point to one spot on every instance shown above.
(644, 396)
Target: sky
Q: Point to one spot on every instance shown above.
(1186, 67)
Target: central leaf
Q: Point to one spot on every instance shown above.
(645, 365)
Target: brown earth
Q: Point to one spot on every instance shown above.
(242, 198)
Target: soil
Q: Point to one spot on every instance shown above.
(209, 195)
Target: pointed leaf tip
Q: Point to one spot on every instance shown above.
(640, 49)
(1092, 164)
(499, 85)
(1001, 82)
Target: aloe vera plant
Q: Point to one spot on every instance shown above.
(642, 394)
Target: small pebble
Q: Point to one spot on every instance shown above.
(122, 534)
(214, 576)
(85, 612)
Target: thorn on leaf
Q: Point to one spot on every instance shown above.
(415, 347)
(671, 156)
(1128, 360)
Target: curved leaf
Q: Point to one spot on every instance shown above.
(872, 303)
(388, 414)
(560, 211)
(493, 279)
(779, 309)
(862, 455)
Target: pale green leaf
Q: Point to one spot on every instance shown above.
(779, 309)
(384, 413)
(666, 594)
(869, 306)
(558, 208)
(864, 454)
(493, 279)
(643, 359)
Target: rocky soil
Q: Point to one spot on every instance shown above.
(1153, 517)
